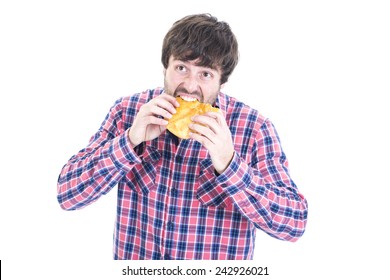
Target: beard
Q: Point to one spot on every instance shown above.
(198, 94)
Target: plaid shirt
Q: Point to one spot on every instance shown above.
(171, 203)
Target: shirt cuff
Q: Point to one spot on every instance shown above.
(236, 176)
(122, 154)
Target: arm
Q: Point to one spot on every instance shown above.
(96, 169)
(110, 154)
(262, 189)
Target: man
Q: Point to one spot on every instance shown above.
(197, 198)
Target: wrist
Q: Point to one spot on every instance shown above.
(220, 168)
(133, 143)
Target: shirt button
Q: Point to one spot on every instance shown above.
(167, 257)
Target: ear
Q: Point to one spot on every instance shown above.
(164, 71)
(223, 85)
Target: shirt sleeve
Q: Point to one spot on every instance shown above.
(263, 191)
(95, 170)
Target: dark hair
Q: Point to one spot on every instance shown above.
(205, 38)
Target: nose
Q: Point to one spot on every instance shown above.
(191, 83)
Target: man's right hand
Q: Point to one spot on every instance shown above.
(148, 123)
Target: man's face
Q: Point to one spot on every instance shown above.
(186, 79)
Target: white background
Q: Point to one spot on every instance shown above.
(318, 69)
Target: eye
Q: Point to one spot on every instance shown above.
(181, 68)
(206, 75)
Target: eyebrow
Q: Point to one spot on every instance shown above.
(188, 62)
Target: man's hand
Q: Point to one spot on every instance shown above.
(148, 123)
(212, 131)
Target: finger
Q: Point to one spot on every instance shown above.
(170, 99)
(218, 116)
(208, 121)
(158, 111)
(212, 114)
(155, 120)
(203, 130)
(202, 140)
(165, 104)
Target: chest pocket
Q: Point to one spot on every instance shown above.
(209, 193)
(142, 178)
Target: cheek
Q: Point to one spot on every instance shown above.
(215, 88)
(172, 80)
(210, 93)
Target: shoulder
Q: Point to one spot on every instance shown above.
(138, 99)
(126, 108)
(130, 105)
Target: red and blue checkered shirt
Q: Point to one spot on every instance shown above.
(171, 203)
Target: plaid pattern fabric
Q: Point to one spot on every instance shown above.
(171, 204)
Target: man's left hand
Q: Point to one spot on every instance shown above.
(212, 131)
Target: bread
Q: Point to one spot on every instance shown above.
(180, 121)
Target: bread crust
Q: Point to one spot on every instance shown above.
(180, 121)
